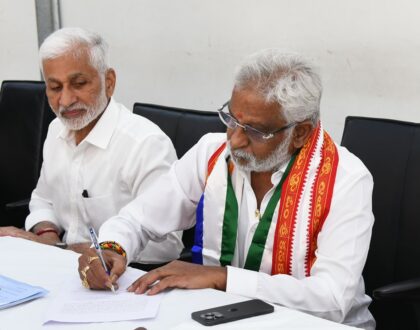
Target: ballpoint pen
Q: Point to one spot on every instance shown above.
(94, 239)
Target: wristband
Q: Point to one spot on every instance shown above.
(113, 246)
(61, 245)
(47, 230)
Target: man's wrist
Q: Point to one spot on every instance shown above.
(45, 227)
(46, 231)
(113, 246)
(61, 245)
(221, 277)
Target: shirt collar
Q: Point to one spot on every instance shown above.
(101, 133)
(276, 176)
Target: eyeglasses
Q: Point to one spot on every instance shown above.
(253, 133)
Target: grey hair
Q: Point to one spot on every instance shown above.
(75, 41)
(285, 78)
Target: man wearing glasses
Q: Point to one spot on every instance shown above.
(282, 213)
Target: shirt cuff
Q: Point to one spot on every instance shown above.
(242, 282)
(38, 216)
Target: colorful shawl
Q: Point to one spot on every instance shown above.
(313, 169)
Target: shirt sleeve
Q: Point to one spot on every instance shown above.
(165, 206)
(151, 168)
(140, 172)
(40, 206)
(335, 278)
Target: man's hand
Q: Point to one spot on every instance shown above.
(79, 247)
(16, 232)
(96, 277)
(180, 274)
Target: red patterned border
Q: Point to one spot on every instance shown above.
(213, 159)
(321, 201)
(290, 195)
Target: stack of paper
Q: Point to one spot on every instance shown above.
(76, 304)
(14, 292)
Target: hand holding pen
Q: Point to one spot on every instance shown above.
(95, 243)
(92, 275)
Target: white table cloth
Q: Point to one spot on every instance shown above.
(49, 267)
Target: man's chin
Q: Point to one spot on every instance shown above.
(239, 161)
(248, 166)
(74, 124)
(242, 164)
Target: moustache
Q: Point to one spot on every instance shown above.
(238, 153)
(76, 106)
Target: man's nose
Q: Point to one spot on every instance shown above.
(67, 97)
(237, 138)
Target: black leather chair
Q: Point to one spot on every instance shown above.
(25, 116)
(391, 151)
(184, 127)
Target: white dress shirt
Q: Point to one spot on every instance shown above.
(335, 289)
(120, 158)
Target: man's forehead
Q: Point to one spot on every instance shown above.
(71, 76)
(250, 103)
(67, 67)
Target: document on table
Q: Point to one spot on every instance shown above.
(13, 292)
(76, 304)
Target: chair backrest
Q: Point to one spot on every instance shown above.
(184, 127)
(391, 151)
(25, 115)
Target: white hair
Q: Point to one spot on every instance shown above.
(75, 41)
(285, 78)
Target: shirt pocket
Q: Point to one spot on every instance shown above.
(98, 209)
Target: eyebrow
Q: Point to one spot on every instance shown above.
(53, 80)
(76, 75)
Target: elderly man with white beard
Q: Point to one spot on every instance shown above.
(98, 155)
(282, 213)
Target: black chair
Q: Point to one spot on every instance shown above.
(184, 127)
(391, 151)
(25, 116)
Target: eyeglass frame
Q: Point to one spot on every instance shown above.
(258, 136)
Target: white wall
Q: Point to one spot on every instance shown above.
(183, 52)
(18, 40)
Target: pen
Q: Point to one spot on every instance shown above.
(94, 239)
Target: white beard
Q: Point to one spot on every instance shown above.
(271, 163)
(92, 112)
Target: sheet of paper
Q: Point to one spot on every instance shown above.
(13, 292)
(75, 304)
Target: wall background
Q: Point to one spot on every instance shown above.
(183, 52)
(18, 40)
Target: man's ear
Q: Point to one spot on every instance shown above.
(110, 80)
(301, 133)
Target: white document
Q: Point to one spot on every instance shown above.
(76, 304)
